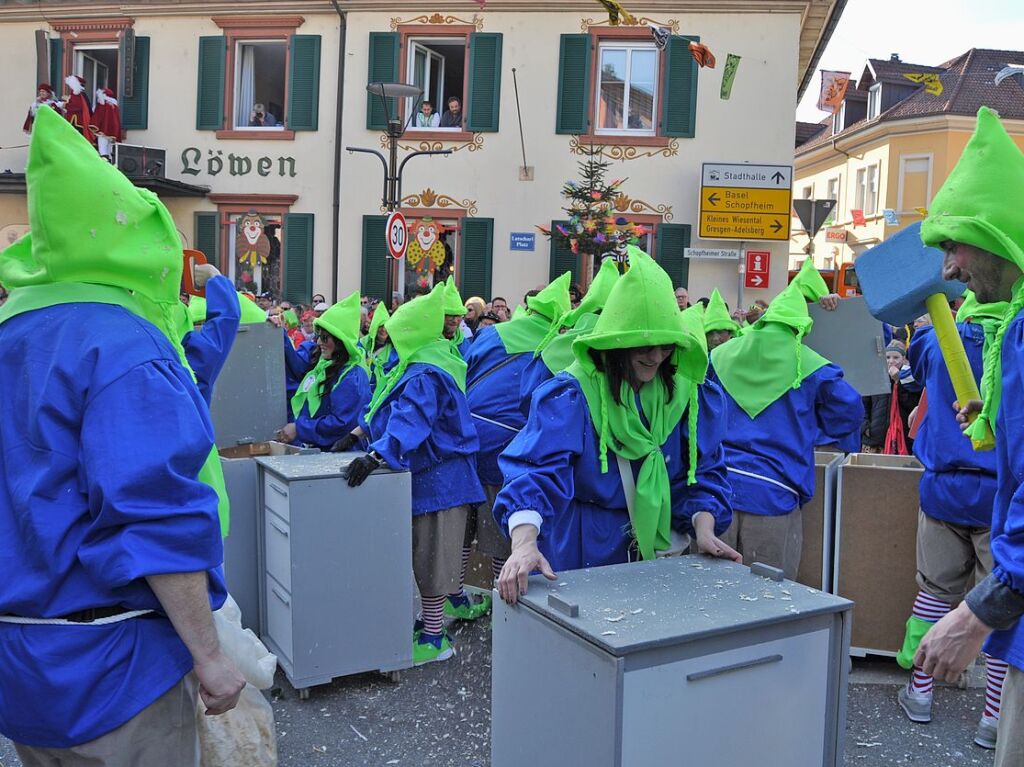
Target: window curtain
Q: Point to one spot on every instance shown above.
(246, 86)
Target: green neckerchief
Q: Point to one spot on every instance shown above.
(761, 365)
(439, 353)
(983, 430)
(523, 334)
(622, 430)
(379, 360)
(558, 355)
(32, 297)
(310, 388)
(987, 316)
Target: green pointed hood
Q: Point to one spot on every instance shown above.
(641, 310)
(290, 319)
(197, 309)
(695, 321)
(552, 302)
(789, 308)
(809, 282)
(342, 322)
(106, 233)
(380, 316)
(250, 311)
(716, 316)
(979, 204)
(976, 204)
(453, 305)
(417, 323)
(598, 293)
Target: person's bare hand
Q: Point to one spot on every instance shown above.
(952, 644)
(287, 433)
(220, 683)
(739, 315)
(963, 414)
(707, 542)
(203, 273)
(830, 302)
(525, 558)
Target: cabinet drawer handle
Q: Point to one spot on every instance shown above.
(278, 489)
(284, 600)
(698, 675)
(279, 529)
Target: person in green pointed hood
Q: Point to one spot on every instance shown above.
(975, 218)
(620, 450)
(784, 399)
(380, 353)
(419, 421)
(454, 312)
(104, 511)
(332, 395)
(719, 326)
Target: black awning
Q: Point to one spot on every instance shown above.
(14, 183)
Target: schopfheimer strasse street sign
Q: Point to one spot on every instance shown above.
(740, 201)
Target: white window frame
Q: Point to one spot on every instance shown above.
(412, 105)
(237, 89)
(82, 63)
(874, 101)
(928, 188)
(876, 167)
(807, 192)
(834, 215)
(629, 47)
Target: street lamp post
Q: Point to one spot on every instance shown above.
(392, 196)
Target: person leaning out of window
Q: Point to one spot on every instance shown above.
(453, 117)
(427, 117)
(261, 118)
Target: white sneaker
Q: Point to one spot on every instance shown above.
(985, 735)
(917, 707)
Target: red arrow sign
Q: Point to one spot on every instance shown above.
(756, 280)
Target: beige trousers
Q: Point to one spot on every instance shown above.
(774, 541)
(1010, 742)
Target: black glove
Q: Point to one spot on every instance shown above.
(360, 469)
(345, 444)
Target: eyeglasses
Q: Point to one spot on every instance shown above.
(324, 336)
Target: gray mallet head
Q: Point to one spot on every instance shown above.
(899, 274)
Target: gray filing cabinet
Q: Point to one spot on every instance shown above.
(683, 661)
(336, 592)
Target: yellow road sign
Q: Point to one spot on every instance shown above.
(722, 199)
(743, 226)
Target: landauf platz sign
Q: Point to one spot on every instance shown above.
(216, 162)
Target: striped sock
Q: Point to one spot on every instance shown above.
(462, 577)
(927, 608)
(995, 675)
(432, 608)
(496, 565)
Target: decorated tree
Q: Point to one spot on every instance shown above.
(593, 228)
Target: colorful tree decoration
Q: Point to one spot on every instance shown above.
(252, 246)
(592, 227)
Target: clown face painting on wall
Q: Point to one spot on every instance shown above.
(426, 254)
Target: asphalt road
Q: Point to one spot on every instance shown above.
(439, 715)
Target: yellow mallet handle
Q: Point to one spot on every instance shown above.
(953, 352)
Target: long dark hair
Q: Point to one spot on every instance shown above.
(337, 364)
(614, 363)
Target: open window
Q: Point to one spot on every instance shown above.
(627, 89)
(97, 64)
(437, 65)
(260, 67)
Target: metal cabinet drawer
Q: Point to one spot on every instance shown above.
(279, 617)
(275, 496)
(277, 549)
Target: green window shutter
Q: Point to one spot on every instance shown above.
(383, 68)
(476, 257)
(375, 258)
(210, 91)
(135, 108)
(484, 100)
(206, 236)
(298, 257)
(673, 239)
(679, 94)
(56, 64)
(573, 114)
(303, 82)
(562, 259)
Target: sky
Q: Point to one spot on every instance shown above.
(921, 31)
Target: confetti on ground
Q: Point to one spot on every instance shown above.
(637, 611)
(358, 733)
(616, 618)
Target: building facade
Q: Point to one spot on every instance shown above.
(278, 203)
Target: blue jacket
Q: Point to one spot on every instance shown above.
(207, 348)
(424, 427)
(103, 433)
(534, 374)
(492, 388)
(1008, 510)
(297, 363)
(553, 468)
(771, 458)
(959, 483)
(339, 411)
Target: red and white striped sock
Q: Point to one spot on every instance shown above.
(462, 578)
(927, 608)
(496, 565)
(995, 675)
(432, 608)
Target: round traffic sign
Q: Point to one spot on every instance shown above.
(397, 235)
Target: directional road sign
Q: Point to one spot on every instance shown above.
(397, 234)
(739, 201)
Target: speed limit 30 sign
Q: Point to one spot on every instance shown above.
(397, 235)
